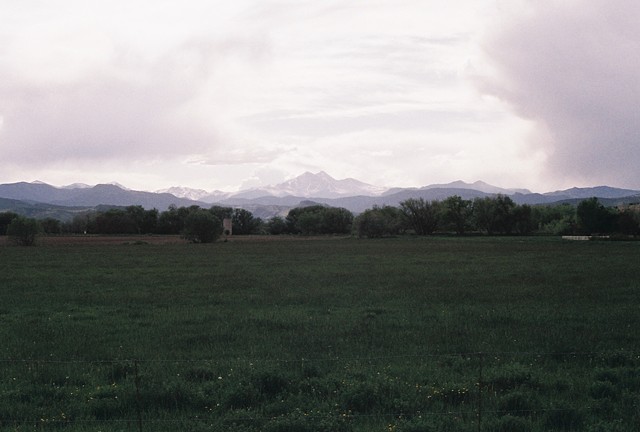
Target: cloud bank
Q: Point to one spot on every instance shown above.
(572, 67)
(156, 94)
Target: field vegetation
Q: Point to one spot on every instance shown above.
(407, 334)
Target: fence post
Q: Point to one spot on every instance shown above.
(138, 401)
(480, 392)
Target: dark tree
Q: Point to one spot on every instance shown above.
(423, 216)
(484, 214)
(336, 220)
(170, 221)
(628, 221)
(277, 225)
(379, 222)
(319, 219)
(371, 223)
(200, 226)
(115, 221)
(310, 223)
(222, 213)
(504, 217)
(593, 217)
(51, 226)
(5, 220)
(244, 223)
(523, 220)
(136, 215)
(555, 219)
(23, 231)
(456, 212)
(149, 223)
(494, 215)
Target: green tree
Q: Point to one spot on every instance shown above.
(336, 220)
(115, 221)
(484, 214)
(244, 223)
(593, 217)
(82, 223)
(149, 223)
(200, 226)
(456, 212)
(5, 220)
(310, 222)
(423, 216)
(494, 215)
(379, 222)
(523, 219)
(371, 223)
(222, 212)
(23, 231)
(504, 220)
(277, 225)
(555, 219)
(51, 226)
(170, 221)
(628, 221)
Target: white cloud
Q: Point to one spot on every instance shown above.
(251, 91)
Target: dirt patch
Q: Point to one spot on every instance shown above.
(102, 240)
(71, 240)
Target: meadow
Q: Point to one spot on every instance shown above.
(332, 335)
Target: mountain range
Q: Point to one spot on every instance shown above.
(39, 199)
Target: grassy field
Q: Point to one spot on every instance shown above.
(405, 335)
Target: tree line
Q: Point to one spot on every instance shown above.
(498, 215)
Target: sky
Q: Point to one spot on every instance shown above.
(219, 95)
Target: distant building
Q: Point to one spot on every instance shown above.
(227, 226)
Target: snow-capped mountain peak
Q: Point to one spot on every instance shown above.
(323, 185)
(185, 192)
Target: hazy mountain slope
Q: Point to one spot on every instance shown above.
(597, 191)
(114, 195)
(41, 210)
(41, 199)
(34, 192)
(107, 194)
(478, 186)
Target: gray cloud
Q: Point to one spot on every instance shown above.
(573, 68)
(97, 117)
(129, 109)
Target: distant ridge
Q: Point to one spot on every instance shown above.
(354, 195)
(310, 185)
(479, 186)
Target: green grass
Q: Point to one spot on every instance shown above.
(322, 335)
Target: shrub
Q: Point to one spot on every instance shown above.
(23, 231)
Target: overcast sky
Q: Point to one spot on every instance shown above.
(226, 95)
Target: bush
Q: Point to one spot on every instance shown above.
(200, 226)
(23, 231)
